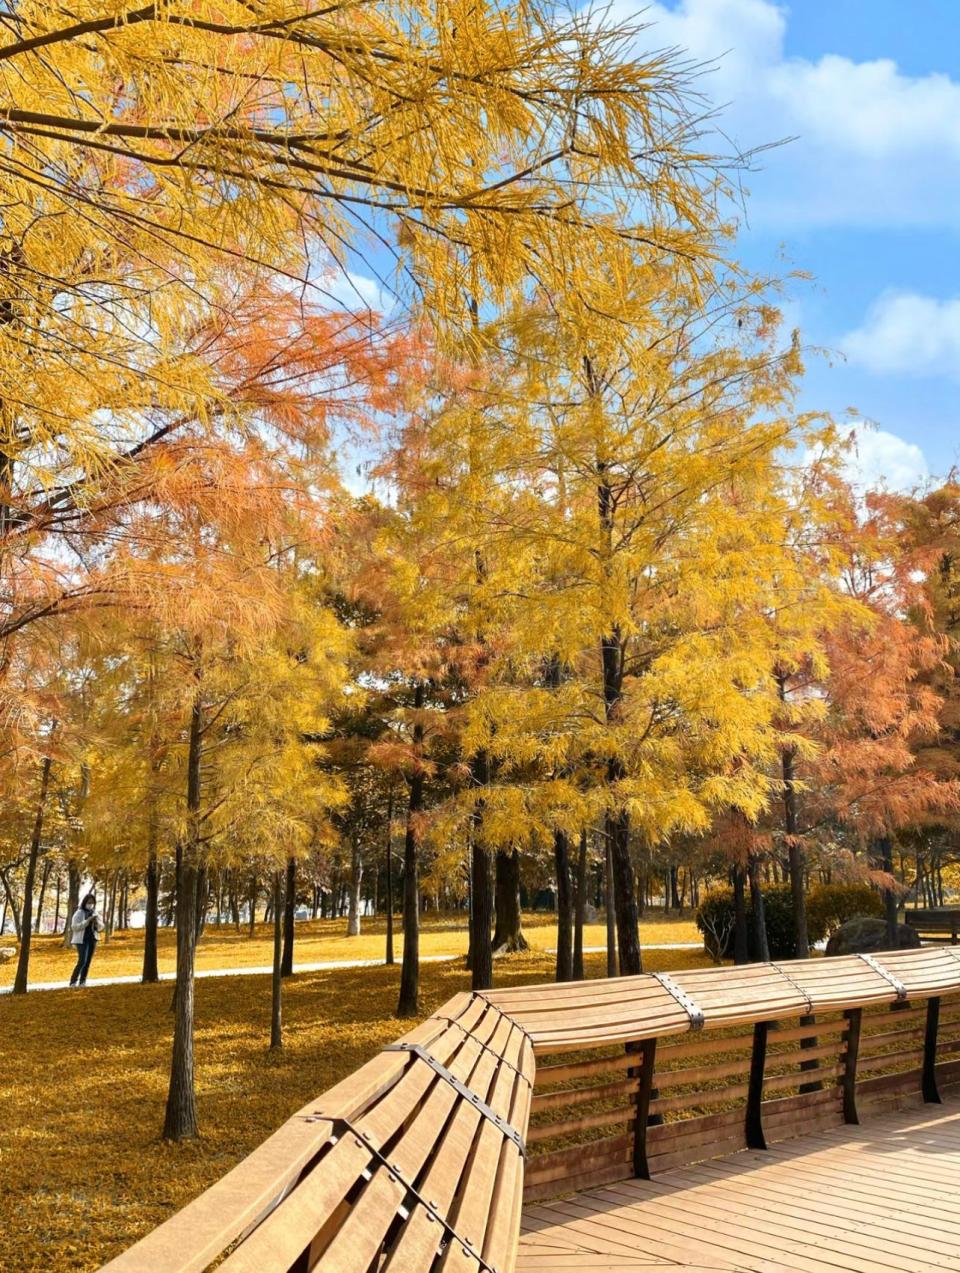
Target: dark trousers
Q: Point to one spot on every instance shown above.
(84, 955)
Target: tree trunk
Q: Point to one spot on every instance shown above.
(884, 856)
(561, 858)
(180, 1122)
(44, 876)
(203, 897)
(759, 912)
(612, 662)
(56, 908)
(388, 954)
(508, 928)
(481, 888)
(253, 903)
(356, 876)
(23, 960)
(276, 996)
(289, 916)
(73, 899)
(795, 851)
(581, 907)
(151, 972)
(11, 897)
(110, 893)
(234, 900)
(408, 1003)
(741, 947)
(608, 906)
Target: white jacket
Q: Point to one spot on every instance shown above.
(79, 923)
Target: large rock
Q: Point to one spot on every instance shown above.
(7, 953)
(865, 933)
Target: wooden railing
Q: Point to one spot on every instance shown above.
(421, 1159)
(769, 1052)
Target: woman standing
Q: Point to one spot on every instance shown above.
(85, 928)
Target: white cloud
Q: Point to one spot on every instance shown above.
(873, 146)
(880, 460)
(904, 332)
(350, 290)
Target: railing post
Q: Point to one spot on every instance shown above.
(647, 1057)
(929, 1083)
(758, 1062)
(854, 1017)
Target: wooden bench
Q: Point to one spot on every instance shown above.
(742, 1057)
(422, 1159)
(938, 925)
(418, 1153)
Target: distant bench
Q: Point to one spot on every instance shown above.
(936, 925)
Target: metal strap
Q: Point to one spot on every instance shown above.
(898, 986)
(478, 994)
(343, 1125)
(486, 1047)
(507, 1129)
(796, 985)
(693, 1010)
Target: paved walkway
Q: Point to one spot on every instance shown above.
(260, 970)
(254, 970)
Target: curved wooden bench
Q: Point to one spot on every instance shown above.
(416, 1152)
(416, 1161)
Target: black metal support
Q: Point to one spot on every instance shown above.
(929, 1082)
(647, 1056)
(854, 1018)
(810, 1067)
(758, 1061)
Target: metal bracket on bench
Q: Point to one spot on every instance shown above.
(486, 1047)
(898, 985)
(507, 1129)
(517, 1025)
(364, 1141)
(796, 985)
(693, 1010)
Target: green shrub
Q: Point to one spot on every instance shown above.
(715, 921)
(830, 905)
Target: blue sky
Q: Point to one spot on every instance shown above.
(867, 198)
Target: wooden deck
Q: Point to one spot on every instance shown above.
(876, 1198)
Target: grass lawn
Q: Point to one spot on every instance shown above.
(83, 1078)
(317, 941)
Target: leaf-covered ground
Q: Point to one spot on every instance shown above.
(83, 1171)
(317, 941)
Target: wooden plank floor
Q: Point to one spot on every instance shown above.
(878, 1198)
